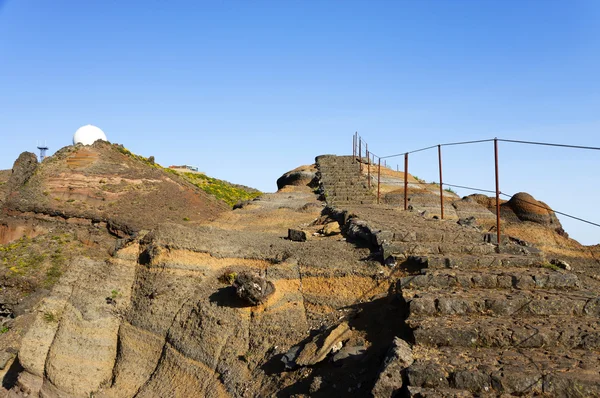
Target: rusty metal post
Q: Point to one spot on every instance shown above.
(406, 181)
(441, 181)
(378, 180)
(497, 190)
(368, 168)
(360, 154)
(354, 146)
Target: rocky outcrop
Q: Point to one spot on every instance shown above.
(156, 320)
(397, 360)
(303, 175)
(106, 183)
(463, 316)
(525, 207)
(22, 170)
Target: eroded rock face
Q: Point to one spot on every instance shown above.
(303, 175)
(22, 170)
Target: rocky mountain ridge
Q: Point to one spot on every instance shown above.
(391, 303)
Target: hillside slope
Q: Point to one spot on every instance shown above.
(106, 183)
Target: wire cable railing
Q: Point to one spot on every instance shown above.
(370, 158)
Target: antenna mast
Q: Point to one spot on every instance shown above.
(43, 149)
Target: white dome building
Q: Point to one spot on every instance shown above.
(87, 135)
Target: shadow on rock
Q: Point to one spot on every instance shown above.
(353, 369)
(12, 375)
(227, 297)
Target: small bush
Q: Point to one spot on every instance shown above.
(228, 277)
(50, 317)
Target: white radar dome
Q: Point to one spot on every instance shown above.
(87, 135)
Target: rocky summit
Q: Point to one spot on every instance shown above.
(121, 279)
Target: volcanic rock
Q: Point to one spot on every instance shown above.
(320, 346)
(332, 228)
(253, 288)
(526, 208)
(398, 358)
(22, 170)
(303, 175)
(296, 235)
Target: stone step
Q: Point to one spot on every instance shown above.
(522, 332)
(354, 191)
(419, 392)
(342, 183)
(350, 197)
(350, 202)
(501, 278)
(488, 302)
(405, 250)
(468, 261)
(492, 372)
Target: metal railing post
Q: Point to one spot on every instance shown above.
(368, 168)
(360, 154)
(406, 181)
(497, 190)
(378, 180)
(441, 181)
(354, 146)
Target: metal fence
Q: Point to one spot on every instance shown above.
(372, 160)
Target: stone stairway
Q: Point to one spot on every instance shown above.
(342, 182)
(486, 319)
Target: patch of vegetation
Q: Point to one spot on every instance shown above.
(149, 161)
(550, 266)
(186, 219)
(223, 190)
(53, 274)
(228, 277)
(4, 329)
(220, 189)
(50, 317)
(115, 293)
(18, 257)
(450, 190)
(422, 181)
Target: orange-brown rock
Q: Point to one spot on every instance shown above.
(525, 207)
(106, 183)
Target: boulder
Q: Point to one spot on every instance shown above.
(561, 263)
(526, 208)
(398, 358)
(352, 352)
(321, 345)
(467, 221)
(332, 228)
(303, 175)
(296, 235)
(253, 288)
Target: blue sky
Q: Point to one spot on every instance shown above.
(247, 90)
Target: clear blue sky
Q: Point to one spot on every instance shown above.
(247, 90)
